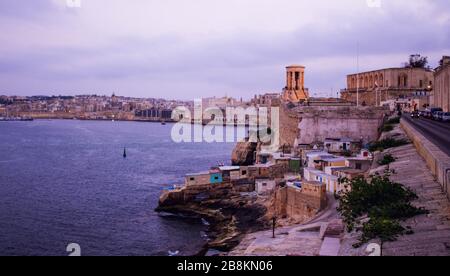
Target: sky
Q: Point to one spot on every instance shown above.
(187, 49)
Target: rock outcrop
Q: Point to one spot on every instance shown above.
(244, 154)
(229, 214)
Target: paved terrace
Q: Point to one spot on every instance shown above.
(298, 240)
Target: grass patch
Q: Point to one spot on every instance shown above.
(387, 128)
(383, 202)
(387, 144)
(387, 159)
(394, 121)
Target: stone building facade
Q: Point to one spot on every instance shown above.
(295, 90)
(377, 86)
(301, 203)
(441, 97)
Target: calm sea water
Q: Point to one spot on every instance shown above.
(66, 182)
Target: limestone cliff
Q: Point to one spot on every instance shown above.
(244, 154)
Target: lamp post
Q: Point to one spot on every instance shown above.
(274, 223)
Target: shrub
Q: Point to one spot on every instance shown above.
(387, 128)
(385, 203)
(387, 159)
(386, 144)
(394, 121)
(347, 153)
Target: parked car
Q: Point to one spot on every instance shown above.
(427, 114)
(415, 115)
(437, 116)
(436, 109)
(434, 113)
(422, 113)
(446, 117)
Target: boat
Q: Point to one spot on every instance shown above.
(125, 153)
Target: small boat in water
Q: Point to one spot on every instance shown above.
(125, 153)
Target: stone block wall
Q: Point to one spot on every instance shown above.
(437, 161)
(292, 203)
(307, 125)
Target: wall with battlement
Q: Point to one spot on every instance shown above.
(307, 124)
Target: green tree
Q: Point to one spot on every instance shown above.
(417, 61)
(376, 207)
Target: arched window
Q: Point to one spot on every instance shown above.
(381, 80)
(403, 80)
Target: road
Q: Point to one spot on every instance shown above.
(437, 132)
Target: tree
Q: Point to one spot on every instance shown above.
(417, 61)
(376, 207)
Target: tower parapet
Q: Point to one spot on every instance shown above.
(295, 90)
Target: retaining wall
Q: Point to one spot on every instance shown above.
(437, 161)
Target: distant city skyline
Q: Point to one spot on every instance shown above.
(192, 49)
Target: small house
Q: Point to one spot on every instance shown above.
(341, 145)
(331, 181)
(198, 179)
(230, 172)
(312, 156)
(264, 185)
(215, 178)
(362, 164)
(329, 161)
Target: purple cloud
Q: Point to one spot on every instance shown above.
(150, 49)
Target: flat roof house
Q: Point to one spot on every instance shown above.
(264, 185)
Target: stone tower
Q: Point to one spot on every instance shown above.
(295, 84)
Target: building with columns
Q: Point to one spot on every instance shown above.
(441, 97)
(382, 85)
(295, 90)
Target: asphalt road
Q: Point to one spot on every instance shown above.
(436, 132)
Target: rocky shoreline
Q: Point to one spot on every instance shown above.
(230, 219)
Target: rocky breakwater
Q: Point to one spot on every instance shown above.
(230, 214)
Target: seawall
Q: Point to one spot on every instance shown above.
(437, 161)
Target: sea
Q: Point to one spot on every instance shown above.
(66, 182)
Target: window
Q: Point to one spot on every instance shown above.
(216, 178)
(421, 83)
(264, 184)
(244, 172)
(192, 179)
(358, 166)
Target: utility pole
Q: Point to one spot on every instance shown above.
(357, 74)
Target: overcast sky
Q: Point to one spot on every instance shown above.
(185, 49)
